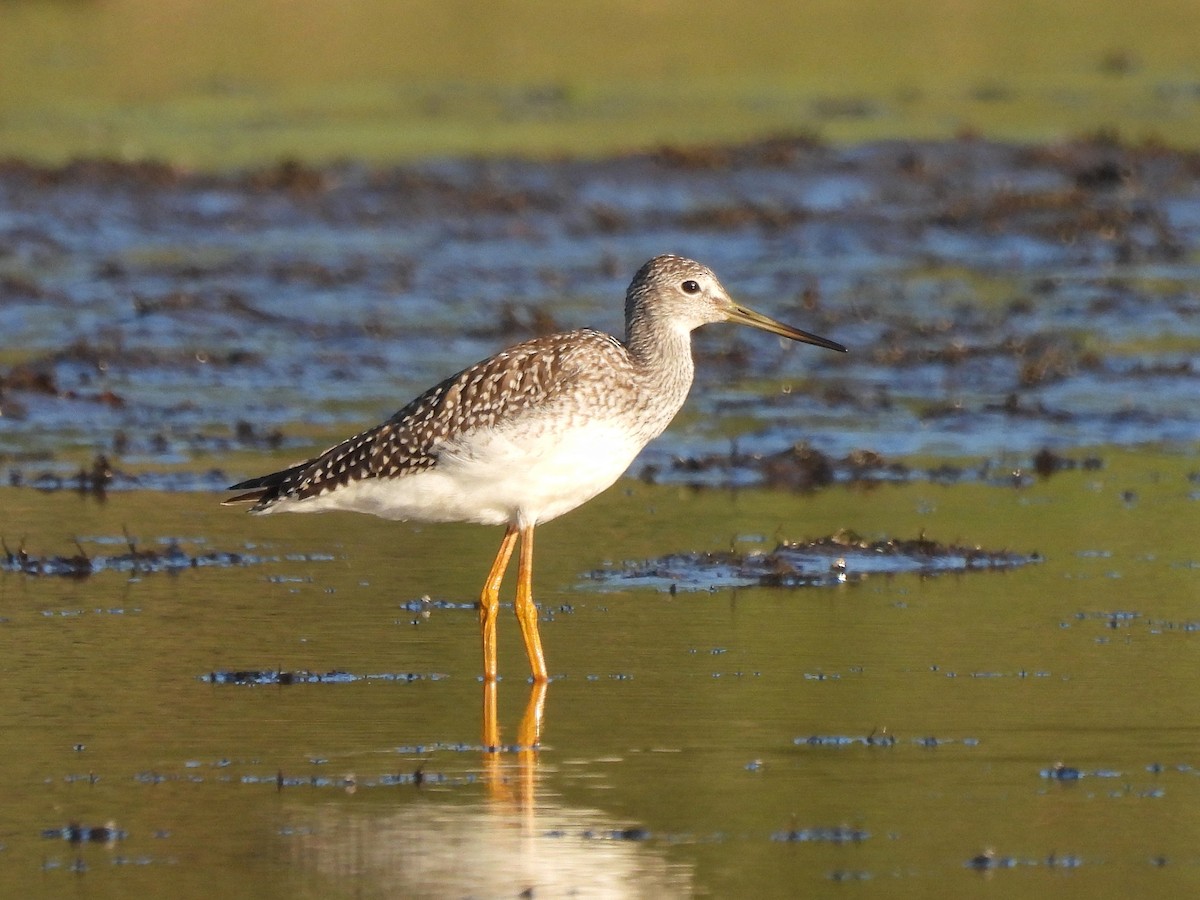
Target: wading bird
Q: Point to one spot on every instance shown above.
(526, 435)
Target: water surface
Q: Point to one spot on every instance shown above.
(1010, 310)
(763, 740)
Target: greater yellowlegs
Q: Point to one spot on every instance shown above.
(526, 435)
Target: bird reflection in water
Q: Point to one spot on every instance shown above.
(511, 842)
(502, 785)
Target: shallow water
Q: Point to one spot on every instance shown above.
(1011, 311)
(726, 742)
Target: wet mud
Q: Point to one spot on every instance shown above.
(837, 559)
(1022, 298)
(172, 558)
(802, 467)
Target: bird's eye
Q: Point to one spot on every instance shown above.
(690, 287)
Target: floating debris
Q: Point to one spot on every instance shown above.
(989, 859)
(1119, 618)
(1062, 772)
(848, 875)
(349, 782)
(426, 603)
(1064, 861)
(837, 559)
(75, 833)
(303, 676)
(1046, 462)
(172, 558)
(617, 834)
(932, 742)
(633, 833)
(878, 740)
(837, 835)
(871, 740)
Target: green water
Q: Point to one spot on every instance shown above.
(242, 82)
(676, 716)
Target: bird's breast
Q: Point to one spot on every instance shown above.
(534, 475)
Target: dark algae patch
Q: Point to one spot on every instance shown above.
(172, 558)
(273, 676)
(837, 559)
(803, 467)
(840, 834)
(879, 739)
(76, 833)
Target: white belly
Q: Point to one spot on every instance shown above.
(494, 479)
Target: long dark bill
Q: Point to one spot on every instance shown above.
(743, 315)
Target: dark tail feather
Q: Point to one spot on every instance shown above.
(265, 489)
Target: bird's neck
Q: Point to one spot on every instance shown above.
(662, 361)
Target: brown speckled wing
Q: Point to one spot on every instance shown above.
(498, 390)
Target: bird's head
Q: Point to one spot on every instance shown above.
(684, 294)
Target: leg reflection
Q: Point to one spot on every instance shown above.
(503, 783)
(491, 725)
(530, 736)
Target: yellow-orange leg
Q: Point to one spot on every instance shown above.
(529, 736)
(527, 614)
(491, 724)
(489, 602)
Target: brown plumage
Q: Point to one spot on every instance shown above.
(489, 393)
